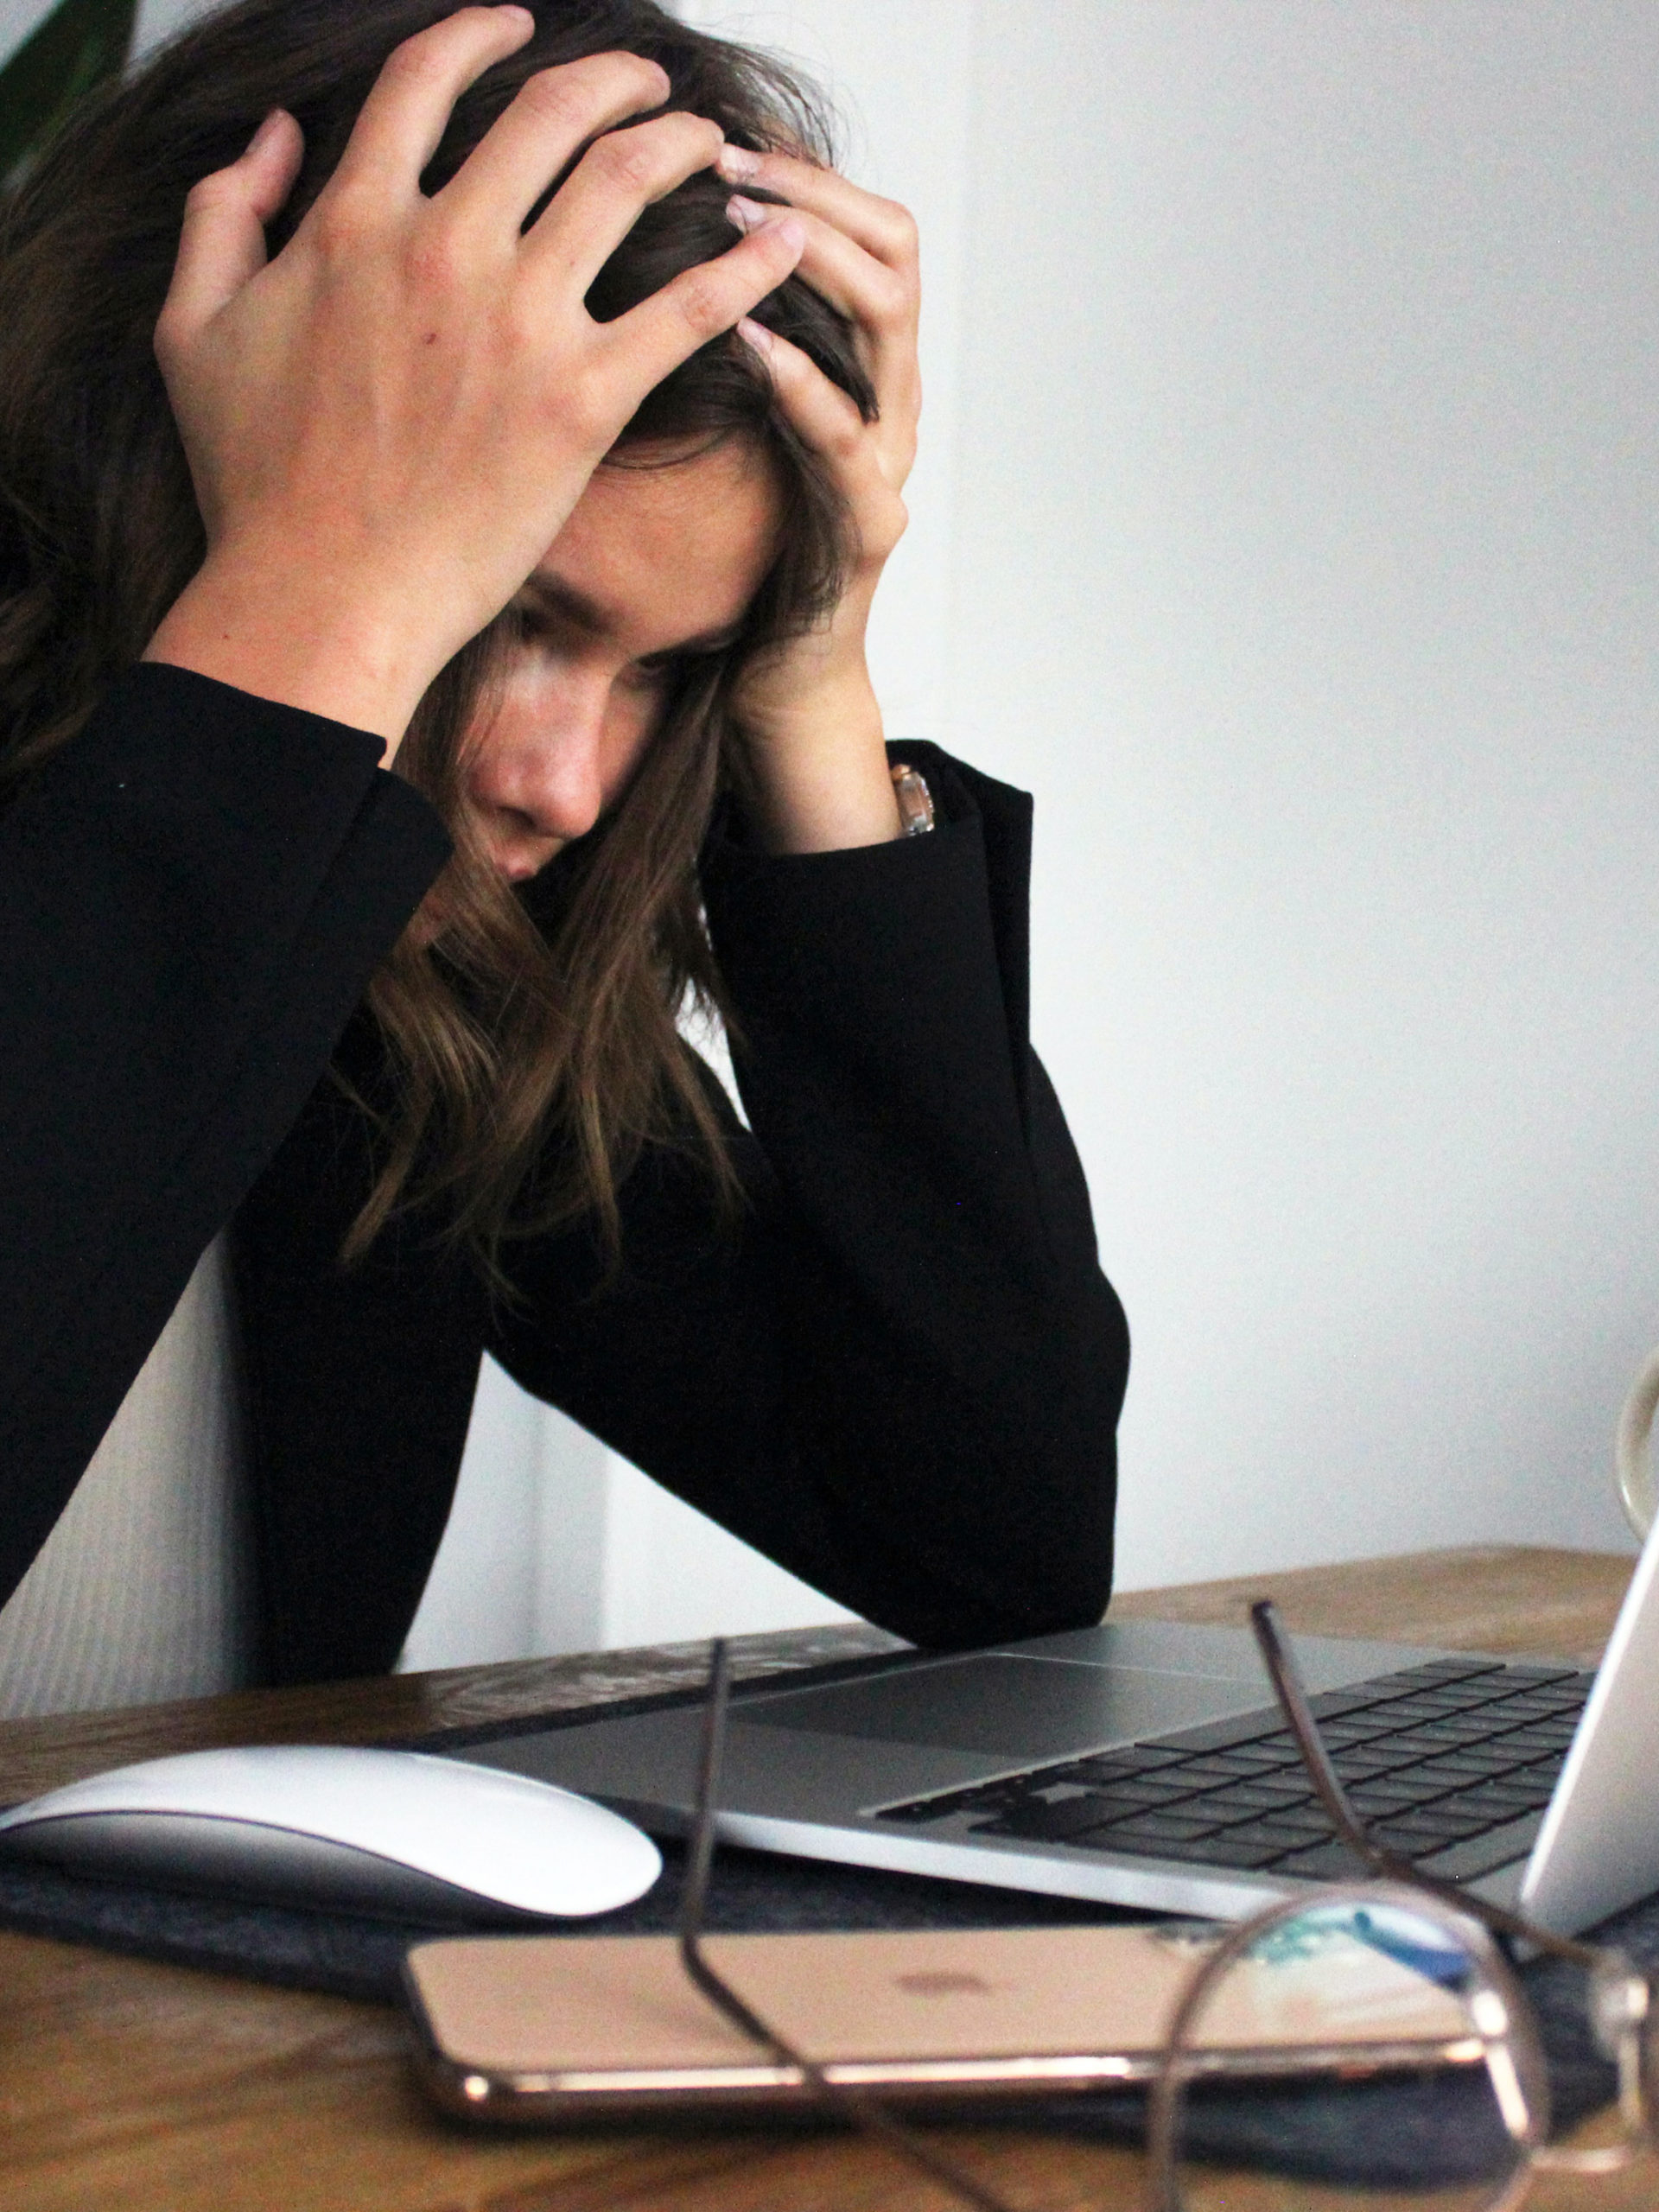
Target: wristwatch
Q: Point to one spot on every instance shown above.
(915, 800)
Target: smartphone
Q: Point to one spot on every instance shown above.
(570, 2028)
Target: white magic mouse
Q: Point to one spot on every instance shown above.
(396, 1833)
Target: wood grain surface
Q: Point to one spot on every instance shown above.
(127, 2086)
(41, 1755)
(1505, 1598)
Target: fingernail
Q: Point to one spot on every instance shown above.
(747, 214)
(264, 130)
(524, 12)
(737, 164)
(792, 229)
(756, 334)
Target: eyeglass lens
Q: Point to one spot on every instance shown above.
(1360, 2053)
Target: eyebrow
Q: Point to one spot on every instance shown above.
(556, 597)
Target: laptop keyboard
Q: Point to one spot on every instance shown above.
(1440, 1761)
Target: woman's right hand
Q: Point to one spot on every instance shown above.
(389, 423)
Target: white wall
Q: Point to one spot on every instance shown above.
(1286, 523)
(1306, 566)
(159, 19)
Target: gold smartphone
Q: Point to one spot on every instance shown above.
(570, 2028)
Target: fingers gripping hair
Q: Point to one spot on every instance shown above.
(99, 531)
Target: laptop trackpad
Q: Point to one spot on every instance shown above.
(1000, 1703)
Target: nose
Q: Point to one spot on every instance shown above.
(546, 767)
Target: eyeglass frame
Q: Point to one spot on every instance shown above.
(1620, 2007)
(1620, 1996)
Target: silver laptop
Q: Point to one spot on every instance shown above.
(1143, 1763)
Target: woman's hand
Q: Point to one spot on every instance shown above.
(389, 423)
(808, 710)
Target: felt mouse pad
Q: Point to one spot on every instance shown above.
(1392, 2134)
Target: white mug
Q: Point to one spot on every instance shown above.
(1632, 1461)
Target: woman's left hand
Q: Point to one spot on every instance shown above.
(808, 709)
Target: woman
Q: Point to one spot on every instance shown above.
(457, 661)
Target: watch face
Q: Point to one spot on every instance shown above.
(915, 800)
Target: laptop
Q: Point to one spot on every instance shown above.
(1144, 1763)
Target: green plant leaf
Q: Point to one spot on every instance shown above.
(79, 44)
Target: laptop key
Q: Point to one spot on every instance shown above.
(1499, 1847)
(1434, 1778)
(1325, 1862)
(1390, 1790)
(1455, 1728)
(1423, 1744)
(1369, 1758)
(1460, 1728)
(1413, 1834)
(1244, 1762)
(1477, 1696)
(1230, 1848)
(1330, 1705)
(1443, 1670)
(1036, 1823)
(1502, 1747)
(1435, 1712)
(1434, 1787)
(1298, 1835)
(1530, 1743)
(1544, 1712)
(1278, 1836)
(1221, 1735)
(1112, 1805)
(1276, 1758)
(1202, 1774)
(1509, 1781)
(1456, 1770)
(1357, 1736)
(1447, 1704)
(1251, 1796)
(1538, 1774)
(1168, 1827)
(1208, 1851)
(1133, 1758)
(1498, 1804)
(1491, 1758)
(1138, 1790)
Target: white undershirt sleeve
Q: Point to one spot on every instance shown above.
(143, 1591)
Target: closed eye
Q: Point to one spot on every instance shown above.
(660, 671)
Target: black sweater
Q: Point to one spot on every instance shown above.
(897, 1371)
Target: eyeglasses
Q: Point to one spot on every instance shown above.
(1466, 2086)
(1429, 2088)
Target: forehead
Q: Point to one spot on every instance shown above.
(669, 544)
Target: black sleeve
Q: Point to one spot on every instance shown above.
(899, 1372)
(193, 892)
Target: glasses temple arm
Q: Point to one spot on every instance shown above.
(700, 1857)
(1278, 1657)
(864, 2111)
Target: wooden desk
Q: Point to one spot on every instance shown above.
(143, 2088)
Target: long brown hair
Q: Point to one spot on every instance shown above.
(510, 1018)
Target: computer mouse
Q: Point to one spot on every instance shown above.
(393, 1832)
